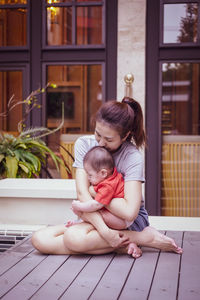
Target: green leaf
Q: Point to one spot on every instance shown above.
(11, 166)
(24, 167)
(27, 168)
(21, 145)
(47, 150)
(33, 159)
(1, 157)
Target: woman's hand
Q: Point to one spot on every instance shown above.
(115, 239)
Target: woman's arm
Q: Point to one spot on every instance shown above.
(127, 208)
(82, 186)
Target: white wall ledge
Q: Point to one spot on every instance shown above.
(38, 188)
(38, 202)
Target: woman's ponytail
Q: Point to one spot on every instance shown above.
(137, 132)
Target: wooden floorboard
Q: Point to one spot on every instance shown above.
(166, 275)
(189, 287)
(27, 274)
(139, 280)
(18, 252)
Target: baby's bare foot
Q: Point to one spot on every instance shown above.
(71, 223)
(134, 250)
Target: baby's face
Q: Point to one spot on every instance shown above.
(94, 177)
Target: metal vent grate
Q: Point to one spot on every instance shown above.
(9, 238)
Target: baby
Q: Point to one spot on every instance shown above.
(106, 184)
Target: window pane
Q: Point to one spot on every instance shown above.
(79, 87)
(89, 25)
(180, 99)
(181, 139)
(10, 87)
(88, 0)
(180, 23)
(10, 34)
(12, 2)
(59, 25)
(58, 1)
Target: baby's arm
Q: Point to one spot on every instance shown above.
(89, 206)
(92, 191)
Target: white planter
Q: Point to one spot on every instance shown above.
(36, 201)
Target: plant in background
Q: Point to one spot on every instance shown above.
(25, 155)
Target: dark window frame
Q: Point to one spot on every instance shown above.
(74, 5)
(24, 68)
(14, 6)
(44, 79)
(34, 55)
(156, 54)
(179, 45)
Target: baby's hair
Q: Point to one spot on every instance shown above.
(99, 158)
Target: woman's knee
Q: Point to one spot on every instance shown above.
(76, 238)
(38, 241)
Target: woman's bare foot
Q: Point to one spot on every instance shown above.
(161, 241)
(134, 250)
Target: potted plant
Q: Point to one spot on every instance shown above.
(25, 155)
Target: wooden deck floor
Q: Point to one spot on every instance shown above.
(27, 274)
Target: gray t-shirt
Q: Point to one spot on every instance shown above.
(128, 159)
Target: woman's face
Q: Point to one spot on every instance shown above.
(107, 137)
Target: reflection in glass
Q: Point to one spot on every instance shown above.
(88, 0)
(79, 87)
(89, 25)
(180, 192)
(180, 98)
(59, 25)
(57, 1)
(180, 23)
(12, 2)
(10, 34)
(10, 85)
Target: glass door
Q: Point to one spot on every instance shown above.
(180, 189)
(11, 83)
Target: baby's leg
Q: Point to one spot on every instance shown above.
(112, 221)
(117, 223)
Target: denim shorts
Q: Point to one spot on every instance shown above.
(141, 221)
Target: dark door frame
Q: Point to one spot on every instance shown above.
(156, 54)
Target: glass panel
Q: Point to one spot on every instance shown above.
(10, 88)
(57, 1)
(89, 25)
(88, 0)
(180, 23)
(12, 2)
(181, 139)
(10, 34)
(80, 88)
(59, 25)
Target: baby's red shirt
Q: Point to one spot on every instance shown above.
(111, 187)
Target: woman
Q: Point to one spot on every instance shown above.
(118, 128)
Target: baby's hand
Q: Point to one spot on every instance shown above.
(76, 205)
(75, 208)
